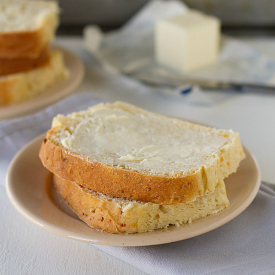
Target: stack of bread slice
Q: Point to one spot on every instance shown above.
(123, 169)
(27, 63)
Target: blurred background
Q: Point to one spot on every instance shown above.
(244, 17)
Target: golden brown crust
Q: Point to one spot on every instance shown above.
(96, 213)
(16, 65)
(118, 182)
(15, 88)
(5, 96)
(21, 44)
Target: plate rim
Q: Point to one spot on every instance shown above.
(64, 232)
(40, 101)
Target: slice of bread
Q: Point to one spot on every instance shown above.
(19, 87)
(18, 65)
(124, 216)
(26, 27)
(124, 151)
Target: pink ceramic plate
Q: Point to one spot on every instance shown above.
(30, 190)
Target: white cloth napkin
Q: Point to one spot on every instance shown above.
(245, 245)
(130, 51)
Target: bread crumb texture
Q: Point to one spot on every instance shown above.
(124, 216)
(125, 137)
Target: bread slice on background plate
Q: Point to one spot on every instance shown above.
(18, 87)
(10, 66)
(126, 152)
(26, 27)
(116, 215)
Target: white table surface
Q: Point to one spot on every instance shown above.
(253, 116)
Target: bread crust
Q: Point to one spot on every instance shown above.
(28, 44)
(34, 33)
(18, 87)
(17, 65)
(133, 185)
(82, 203)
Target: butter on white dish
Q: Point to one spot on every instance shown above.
(187, 42)
(92, 38)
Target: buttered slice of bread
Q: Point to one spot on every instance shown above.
(18, 87)
(124, 151)
(123, 216)
(26, 27)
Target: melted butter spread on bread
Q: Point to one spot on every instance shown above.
(153, 144)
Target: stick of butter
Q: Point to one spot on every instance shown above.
(187, 42)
